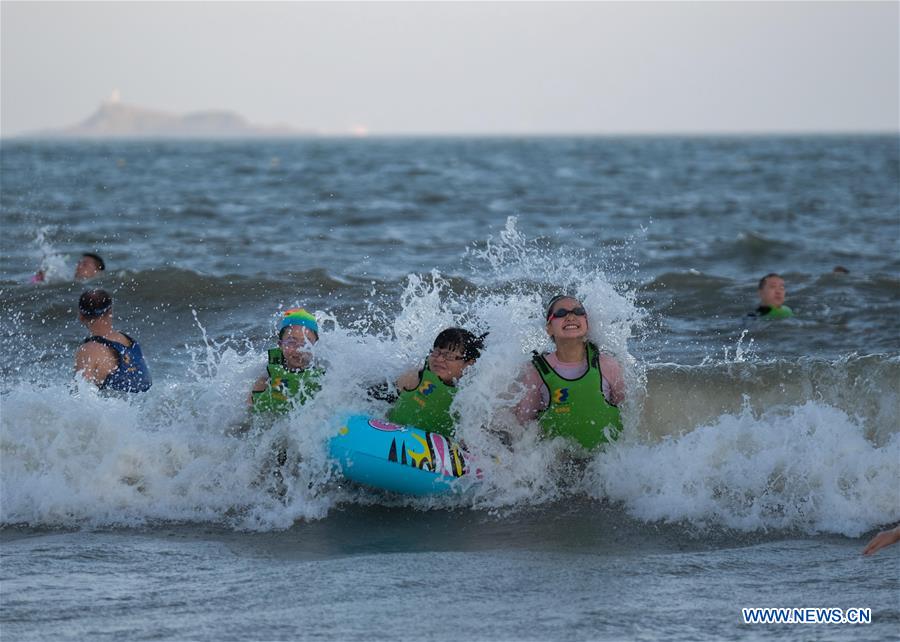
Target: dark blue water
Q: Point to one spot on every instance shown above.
(688, 225)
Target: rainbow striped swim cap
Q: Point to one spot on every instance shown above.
(298, 316)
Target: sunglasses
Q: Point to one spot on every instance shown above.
(562, 313)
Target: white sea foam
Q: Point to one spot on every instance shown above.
(184, 452)
(53, 264)
(808, 467)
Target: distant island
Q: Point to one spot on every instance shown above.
(114, 119)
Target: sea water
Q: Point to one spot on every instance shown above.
(757, 457)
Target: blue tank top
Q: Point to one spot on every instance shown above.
(132, 373)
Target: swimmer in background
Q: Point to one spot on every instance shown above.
(89, 266)
(575, 390)
(771, 298)
(290, 378)
(426, 393)
(884, 538)
(108, 358)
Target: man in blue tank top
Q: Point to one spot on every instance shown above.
(108, 358)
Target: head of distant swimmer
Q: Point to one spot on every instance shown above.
(93, 305)
(566, 319)
(89, 266)
(771, 290)
(454, 350)
(296, 336)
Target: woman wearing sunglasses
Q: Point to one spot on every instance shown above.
(426, 394)
(574, 390)
(290, 377)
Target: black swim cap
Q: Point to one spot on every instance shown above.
(94, 303)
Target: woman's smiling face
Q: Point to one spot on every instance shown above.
(571, 325)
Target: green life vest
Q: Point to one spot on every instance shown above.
(577, 407)
(782, 312)
(427, 407)
(286, 387)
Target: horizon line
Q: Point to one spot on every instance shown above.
(38, 137)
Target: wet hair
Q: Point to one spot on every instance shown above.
(557, 299)
(462, 340)
(762, 281)
(94, 303)
(100, 264)
(840, 269)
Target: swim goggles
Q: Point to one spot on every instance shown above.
(562, 313)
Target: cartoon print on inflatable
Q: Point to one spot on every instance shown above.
(403, 459)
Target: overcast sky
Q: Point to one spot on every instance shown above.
(462, 68)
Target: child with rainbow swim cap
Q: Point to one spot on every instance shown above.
(290, 377)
